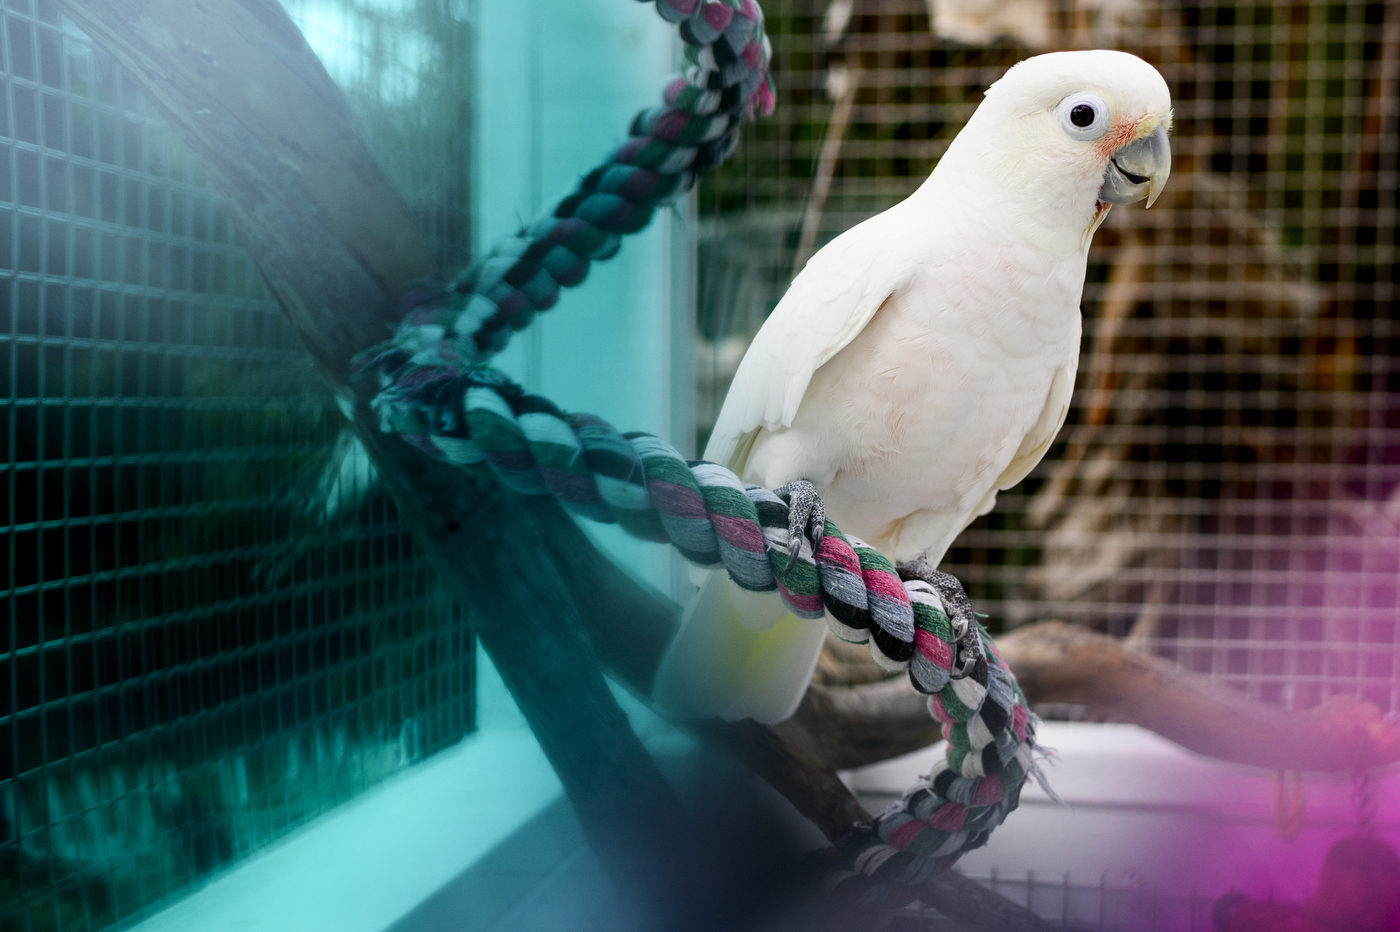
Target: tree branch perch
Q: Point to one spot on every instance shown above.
(845, 727)
(1058, 662)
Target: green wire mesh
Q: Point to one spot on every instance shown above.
(195, 655)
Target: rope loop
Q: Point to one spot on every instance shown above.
(487, 425)
(430, 385)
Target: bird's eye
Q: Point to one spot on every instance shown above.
(1084, 116)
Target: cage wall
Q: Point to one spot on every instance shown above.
(213, 626)
(1225, 489)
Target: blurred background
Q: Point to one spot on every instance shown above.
(1224, 490)
(213, 627)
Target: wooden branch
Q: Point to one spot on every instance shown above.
(629, 622)
(848, 87)
(819, 795)
(246, 94)
(838, 728)
(1058, 662)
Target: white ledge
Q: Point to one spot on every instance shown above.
(369, 863)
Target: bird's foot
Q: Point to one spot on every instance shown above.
(967, 643)
(805, 510)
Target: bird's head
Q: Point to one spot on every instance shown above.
(1074, 132)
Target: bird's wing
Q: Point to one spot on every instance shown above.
(1037, 440)
(829, 302)
(1034, 442)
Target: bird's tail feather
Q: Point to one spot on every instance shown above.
(738, 655)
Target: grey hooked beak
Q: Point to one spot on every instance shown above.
(1138, 170)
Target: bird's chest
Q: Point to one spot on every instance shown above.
(937, 393)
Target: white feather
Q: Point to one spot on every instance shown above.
(829, 302)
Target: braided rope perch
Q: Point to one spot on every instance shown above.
(491, 428)
(725, 81)
(435, 392)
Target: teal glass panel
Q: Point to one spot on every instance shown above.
(212, 627)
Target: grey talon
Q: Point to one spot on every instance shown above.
(804, 507)
(916, 568)
(968, 644)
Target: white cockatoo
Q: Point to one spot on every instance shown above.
(924, 359)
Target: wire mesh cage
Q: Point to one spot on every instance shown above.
(213, 628)
(1081, 906)
(1224, 490)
